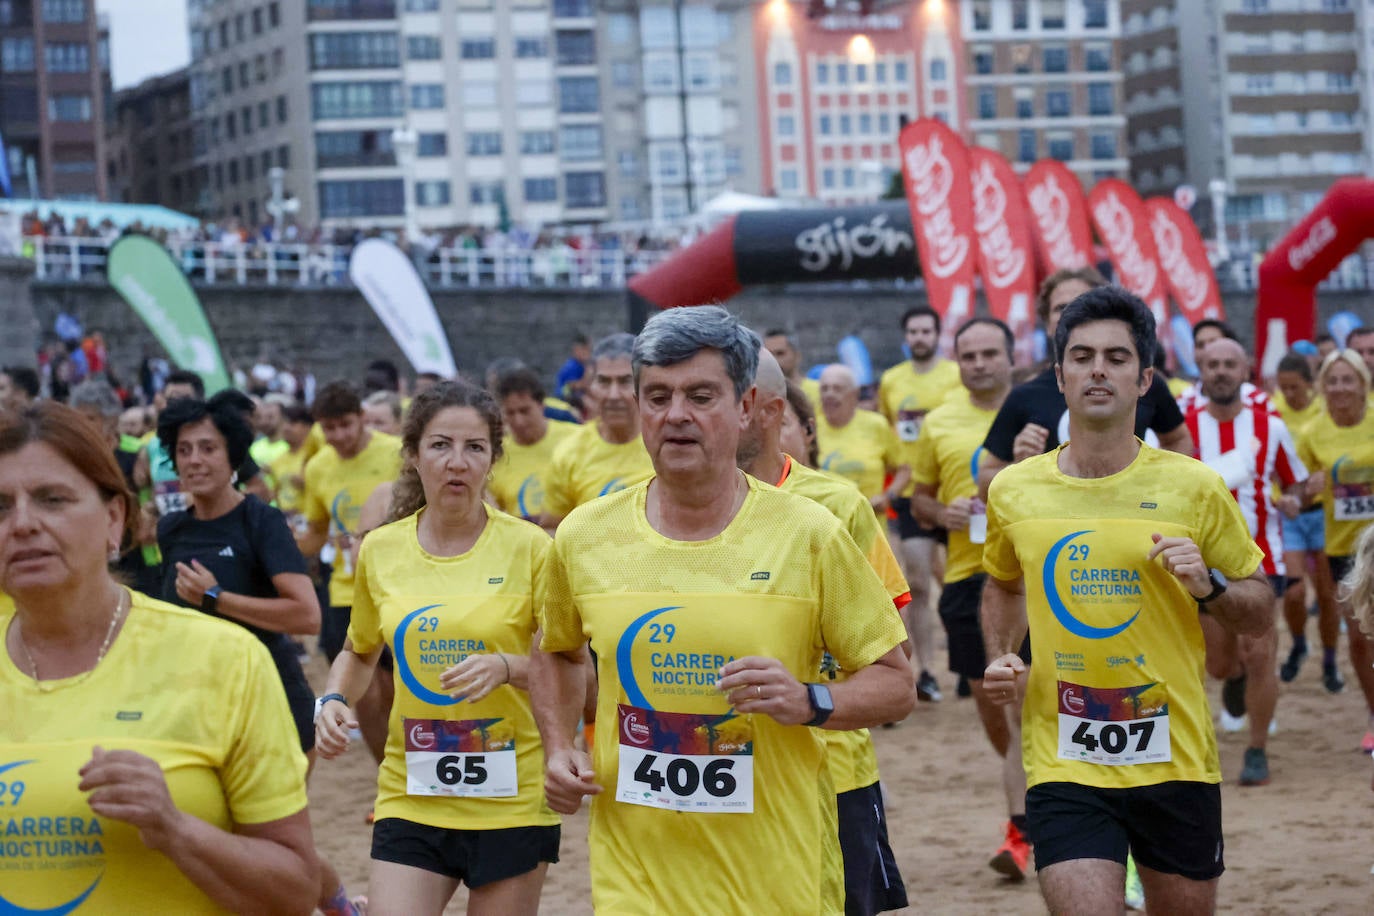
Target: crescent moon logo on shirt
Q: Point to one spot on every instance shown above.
(418, 690)
(9, 908)
(1056, 603)
(343, 506)
(624, 656)
(1336, 470)
(530, 495)
(420, 737)
(975, 461)
(612, 486)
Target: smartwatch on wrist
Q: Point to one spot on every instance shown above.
(1219, 586)
(319, 703)
(209, 602)
(822, 704)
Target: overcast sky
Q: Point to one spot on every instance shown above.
(147, 37)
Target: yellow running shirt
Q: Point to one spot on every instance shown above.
(1346, 454)
(335, 490)
(811, 387)
(6, 605)
(466, 766)
(712, 812)
(519, 479)
(198, 695)
(1115, 698)
(947, 456)
(1295, 420)
(288, 474)
(861, 451)
(586, 466)
(849, 754)
(906, 396)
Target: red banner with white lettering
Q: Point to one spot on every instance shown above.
(935, 170)
(1124, 228)
(1059, 216)
(1006, 261)
(1184, 259)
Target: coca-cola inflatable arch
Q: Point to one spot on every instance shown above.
(1288, 276)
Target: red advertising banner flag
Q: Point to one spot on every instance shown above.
(1059, 214)
(1184, 259)
(935, 170)
(1006, 260)
(1123, 226)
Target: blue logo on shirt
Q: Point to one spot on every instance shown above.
(1057, 606)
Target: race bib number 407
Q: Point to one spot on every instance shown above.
(685, 762)
(1115, 726)
(474, 758)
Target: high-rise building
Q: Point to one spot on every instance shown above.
(1265, 96)
(149, 153)
(1043, 82)
(54, 92)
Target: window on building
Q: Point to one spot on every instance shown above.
(1060, 146)
(669, 163)
(484, 143)
(982, 15)
(266, 160)
(880, 72)
(938, 70)
(537, 143)
(243, 75)
(1058, 102)
(841, 74)
(427, 96)
(824, 125)
(71, 106)
(884, 123)
(432, 193)
(531, 47)
(57, 11)
(351, 199)
(486, 192)
(620, 29)
(788, 180)
(578, 95)
(1052, 14)
(1095, 14)
(846, 125)
(1056, 59)
(273, 14)
(352, 148)
(16, 55)
(541, 190)
(422, 6)
(1020, 14)
(477, 48)
(380, 99)
(822, 73)
(574, 48)
(354, 50)
(702, 71)
(1025, 145)
(1339, 82)
(584, 190)
(787, 126)
(1025, 103)
(424, 47)
(1101, 99)
(987, 102)
(782, 73)
(281, 109)
(1097, 58)
(257, 20)
(233, 171)
(900, 73)
(250, 168)
(1104, 146)
(231, 127)
(260, 68)
(264, 114)
(430, 145)
(983, 61)
(67, 57)
(865, 123)
(828, 178)
(627, 161)
(580, 142)
(572, 9)
(530, 93)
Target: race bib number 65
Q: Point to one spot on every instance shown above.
(474, 758)
(1115, 726)
(685, 762)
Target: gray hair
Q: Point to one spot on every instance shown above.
(675, 335)
(615, 346)
(97, 394)
(388, 399)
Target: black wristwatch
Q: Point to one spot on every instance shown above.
(1219, 585)
(822, 704)
(209, 602)
(319, 702)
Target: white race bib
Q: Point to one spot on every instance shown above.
(685, 762)
(474, 758)
(1354, 508)
(1115, 726)
(168, 497)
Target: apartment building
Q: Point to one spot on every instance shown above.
(54, 92)
(1043, 81)
(150, 158)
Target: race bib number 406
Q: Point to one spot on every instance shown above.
(1116, 726)
(474, 758)
(685, 762)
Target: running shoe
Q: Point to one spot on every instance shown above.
(1233, 696)
(1255, 772)
(1289, 669)
(1367, 743)
(964, 690)
(1135, 891)
(1331, 679)
(928, 689)
(1013, 859)
(1230, 724)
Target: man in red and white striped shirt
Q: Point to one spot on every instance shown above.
(1193, 398)
(1252, 450)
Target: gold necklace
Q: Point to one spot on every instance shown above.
(104, 647)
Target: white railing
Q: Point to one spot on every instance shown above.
(63, 258)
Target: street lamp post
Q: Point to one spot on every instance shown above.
(279, 206)
(404, 142)
(1217, 188)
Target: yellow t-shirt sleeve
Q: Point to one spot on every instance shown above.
(859, 624)
(1306, 452)
(999, 554)
(557, 498)
(1226, 541)
(925, 468)
(871, 540)
(365, 620)
(264, 770)
(558, 615)
(313, 504)
(892, 448)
